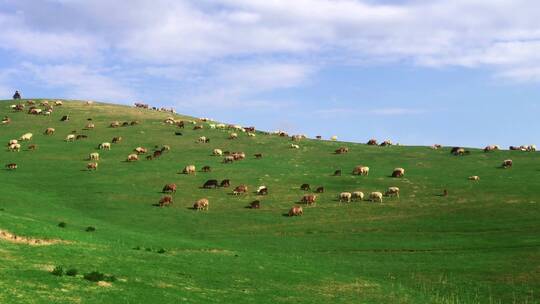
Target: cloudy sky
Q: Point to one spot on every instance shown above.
(456, 72)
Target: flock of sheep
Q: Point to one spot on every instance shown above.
(229, 157)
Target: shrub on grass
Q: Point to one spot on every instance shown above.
(161, 250)
(96, 276)
(90, 229)
(72, 272)
(58, 271)
(62, 225)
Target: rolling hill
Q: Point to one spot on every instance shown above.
(479, 244)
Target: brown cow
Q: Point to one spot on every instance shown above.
(132, 157)
(169, 188)
(225, 183)
(165, 201)
(201, 204)
(115, 124)
(309, 199)
(305, 187)
(398, 172)
(320, 190)
(296, 211)
(372, 142)
(507, 163)
(11, 166)
(92, 166)
(240, 189)
(342, 150)
(49, 131)
(255, 205)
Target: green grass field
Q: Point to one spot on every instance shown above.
(480, 244)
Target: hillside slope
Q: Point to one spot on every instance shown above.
(480, 244)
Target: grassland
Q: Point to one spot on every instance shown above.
(480, 244)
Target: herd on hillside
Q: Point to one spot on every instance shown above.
(46, 108)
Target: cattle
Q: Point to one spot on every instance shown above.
(372, 142)
(169, 188)
(140, 150)
(90, 125)
(12, 141)
(156, 154)
(258, 155)
(296, 211)
(114, 124)
(199, 127)
(166, 201)
(398, 172)
(345, 196)
(190, 169)
(206, 169)
(93, 156)
(386, 143)
(134, 123)
(58, 103)
(376, 197)
(491, 148)
(14, 147)
(309, 199)
(507, 163)
(217, 152)
(125, 124)
(6, 120)
(64, 118)
(203, 139)
(436, 147)
(296, 137)
(361, 170)
(293, 146)
(531, 148)
(514, 148)
(32, 147)
(225, 183)
(201, 204)
(165, 148)
(34, 111)
(337, 173)
(319, 190)
(180, 124)
(255, 205)
(240, 189)
(342, 150)
(474, 178)
(357, 195)
(116, 139)
(392, 191)
(458, 151)
(18, 107)
(238, 155)
(211, 183)
(249, 129)
(92, 166)
(149, 157)
(233, 136)
(70, 137)
(104, 146)
(81, 136)
(318, 137)
(11, 166)
(262, 190)
(228, 159)
(26, 136)
(132, 157)
(49, 131)
(305, 187)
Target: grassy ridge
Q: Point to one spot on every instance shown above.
(481, 244)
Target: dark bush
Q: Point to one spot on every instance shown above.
(96, 276)
(58, 271)
(62, 225)
(72, 272)
(161, 250)
(90, 229)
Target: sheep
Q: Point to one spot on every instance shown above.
(49, 131)
(342, 150)
(140, 150)
(345, 196)
(361, 170)
(357, 195)
(132, 157)
(392, 191)
(190, 169)
(262, 190)
(58, 103)
(217, 152)
(12, 141)
(93, 156)
(228, 159)
(376, 197)
(90, 125)
(201, 204)
(70, 137)
(26, 136)
(92, 166)
(202, 139)
(474, 178)
(14, 147)
(398, 172)
(233, 136)
(104, 146)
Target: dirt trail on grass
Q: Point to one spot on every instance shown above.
(13, 238)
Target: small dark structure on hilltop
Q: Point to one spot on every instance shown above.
(17, 95)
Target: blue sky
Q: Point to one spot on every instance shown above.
(461, 72)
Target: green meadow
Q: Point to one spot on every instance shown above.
(479, 244)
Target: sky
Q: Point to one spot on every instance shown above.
(456, 72)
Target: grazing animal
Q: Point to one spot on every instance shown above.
(474, 178)
(93, 156)
(305, 187)
(206, 169)
(92, 166)
(140, 150)
(201, 204)
(296, 211)
(445, 192)
(70, 137)
(190, 169)
(372, 142)
(240, 189)
(156, 154)
(319, 190)
(198, 127)
(386, 143)
(90, 125)
(14, 147)
(165, 148)
(250, 134)
(376, 197)
(225, 183)
(491, 148)
(149, 157)
(233, 136)
(293, 146)
(228, 159)
(49, 131)
(458, 151)
(132, 157)
(165, 201)
(342, 150)
(436, 147)
(238, 155)
(361, 170)
(32, 147)
(217, 152)
(392, 191)
(169, 188)
(117, 139)
(318, 137)
(398, 172)
(337, 172)
(507, 163)
(11, 166)
(309, 199)
(258, 155)
(64, 118)
(262, 190)
(134, 123)
(531, 148)
(211, 183)
(115, 124)
(13, 141)
(104, 146)
(26, 136)
(81, 136)
(255, 205)
(357, 195)
(202, 139)
(345, 196)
